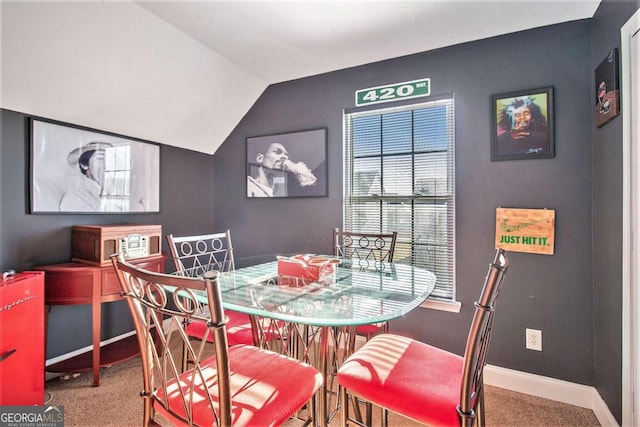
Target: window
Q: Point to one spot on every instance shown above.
(399, 176)
(116, 188)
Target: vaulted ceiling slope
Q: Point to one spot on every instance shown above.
(184, 73)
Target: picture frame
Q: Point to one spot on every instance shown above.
(286, 165)
(76, 169)
(523, 125)
(607, 102)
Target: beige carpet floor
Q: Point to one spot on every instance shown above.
(116, 402)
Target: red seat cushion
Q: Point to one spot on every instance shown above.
(238, 329)
(408, 377)
(266, 388)
(369, 329)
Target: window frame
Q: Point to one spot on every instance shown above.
(447, 301)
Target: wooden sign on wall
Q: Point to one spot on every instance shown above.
(525, 230)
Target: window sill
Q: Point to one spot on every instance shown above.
(442, 305)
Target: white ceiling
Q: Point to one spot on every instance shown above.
(184, 73)
(284, 40)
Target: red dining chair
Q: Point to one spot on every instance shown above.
(422, 382)
(368, 249)
(373, 247)
(195, 255)
(241, 385)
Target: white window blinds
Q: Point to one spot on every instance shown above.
(399, 176)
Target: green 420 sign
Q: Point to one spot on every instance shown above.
(393, 92)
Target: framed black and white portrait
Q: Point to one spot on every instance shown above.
(80, 170)
(287, 165)
(522, 125)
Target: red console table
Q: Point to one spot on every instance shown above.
(74, 283)
(22, 339)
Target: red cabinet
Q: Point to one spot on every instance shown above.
(22, 339)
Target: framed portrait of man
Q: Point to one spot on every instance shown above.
(80, 170)
(290, 164)
(522, 126)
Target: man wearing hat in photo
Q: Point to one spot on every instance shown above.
(88, 194)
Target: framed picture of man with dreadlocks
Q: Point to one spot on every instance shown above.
(523, 125)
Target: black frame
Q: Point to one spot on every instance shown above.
(56, 174)
(305, 173)
(607, 102)
(537, 141)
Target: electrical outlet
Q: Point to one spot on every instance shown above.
(534, 339)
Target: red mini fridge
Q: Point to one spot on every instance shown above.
(22, 339)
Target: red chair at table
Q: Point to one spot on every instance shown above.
(369, 249)
(422, 382)
(195, 255)
(241, 385)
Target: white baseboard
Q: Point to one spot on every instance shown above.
(63, 357)
(551, 388)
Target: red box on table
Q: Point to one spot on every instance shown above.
(300, 270)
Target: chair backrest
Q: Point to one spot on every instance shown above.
(195, 255)
(151, 298)
(370, 246)
(475, 354)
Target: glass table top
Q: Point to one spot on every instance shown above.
(348, 292)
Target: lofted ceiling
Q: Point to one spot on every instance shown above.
(284, 40)
(184, 73)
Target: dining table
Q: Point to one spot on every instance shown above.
(310, 305)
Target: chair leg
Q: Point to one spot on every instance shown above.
(480, 409)
(477, 416)
(344, 405)
(369, 413)
(356, 408)
(148, 411)
(312, 410)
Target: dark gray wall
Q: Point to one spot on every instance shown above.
(607, 219)
(552, 293)
(30, 240)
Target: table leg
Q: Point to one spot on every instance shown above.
(324, 369)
